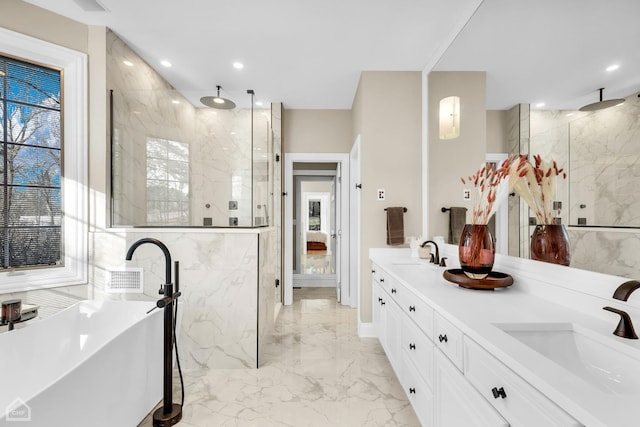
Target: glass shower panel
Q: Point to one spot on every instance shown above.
(262, 154)
(173, 164)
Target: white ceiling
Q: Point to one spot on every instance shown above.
(551, 51)
(310, 54)
(307, 54)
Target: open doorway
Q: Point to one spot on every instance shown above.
(316, 223)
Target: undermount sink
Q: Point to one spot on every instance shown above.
(599, 361)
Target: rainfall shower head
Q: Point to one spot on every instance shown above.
(602, 104)
(217, 101)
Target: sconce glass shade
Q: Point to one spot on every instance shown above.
(450, 117)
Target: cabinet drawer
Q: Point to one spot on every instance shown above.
(417, 310)
(448, 338)
(457, 403)
(419, 350)
(419, 393)
(513, 397)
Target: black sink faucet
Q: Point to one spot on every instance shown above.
(434, 259)
(622, 293)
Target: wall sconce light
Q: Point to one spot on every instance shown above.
(450, 117)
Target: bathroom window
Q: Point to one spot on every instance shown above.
(30, 165)
(43, 164)
(167, 182)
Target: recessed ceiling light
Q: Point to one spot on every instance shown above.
(259, 103)
(175, 101)
(569, 114)
(127, 63)
(238, 65)
(165, 63)
(540, 105)
(612, 67)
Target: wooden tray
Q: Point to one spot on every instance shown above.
(494, 280)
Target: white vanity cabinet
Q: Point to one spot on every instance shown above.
(400, 320)
(450, 380)
(386, 315)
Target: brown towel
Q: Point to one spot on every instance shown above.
(457, 220)
(395, 226)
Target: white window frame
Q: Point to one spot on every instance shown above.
(75, 177)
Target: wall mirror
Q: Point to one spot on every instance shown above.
(553, 73)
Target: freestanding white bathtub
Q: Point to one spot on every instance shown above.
(97, 363)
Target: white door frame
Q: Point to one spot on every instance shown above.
(502, 213)
(354, 221)
(343, 235)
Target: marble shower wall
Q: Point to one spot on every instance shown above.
(603, 148)
(226, 280)
(223, 166)
(605, 166)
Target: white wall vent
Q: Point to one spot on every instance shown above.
(124, 281)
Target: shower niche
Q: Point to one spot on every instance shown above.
(174, 164)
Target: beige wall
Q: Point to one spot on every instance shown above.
(318, 131)
(23, 17)
(497, 131)
(449, 160)
(390, 134)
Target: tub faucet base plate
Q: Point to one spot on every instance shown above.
(160, 419)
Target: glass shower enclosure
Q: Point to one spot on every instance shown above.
(175, 165)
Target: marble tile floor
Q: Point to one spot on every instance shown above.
(317, 372)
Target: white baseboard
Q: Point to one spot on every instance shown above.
(366, 330)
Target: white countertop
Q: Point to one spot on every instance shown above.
(476, 312)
